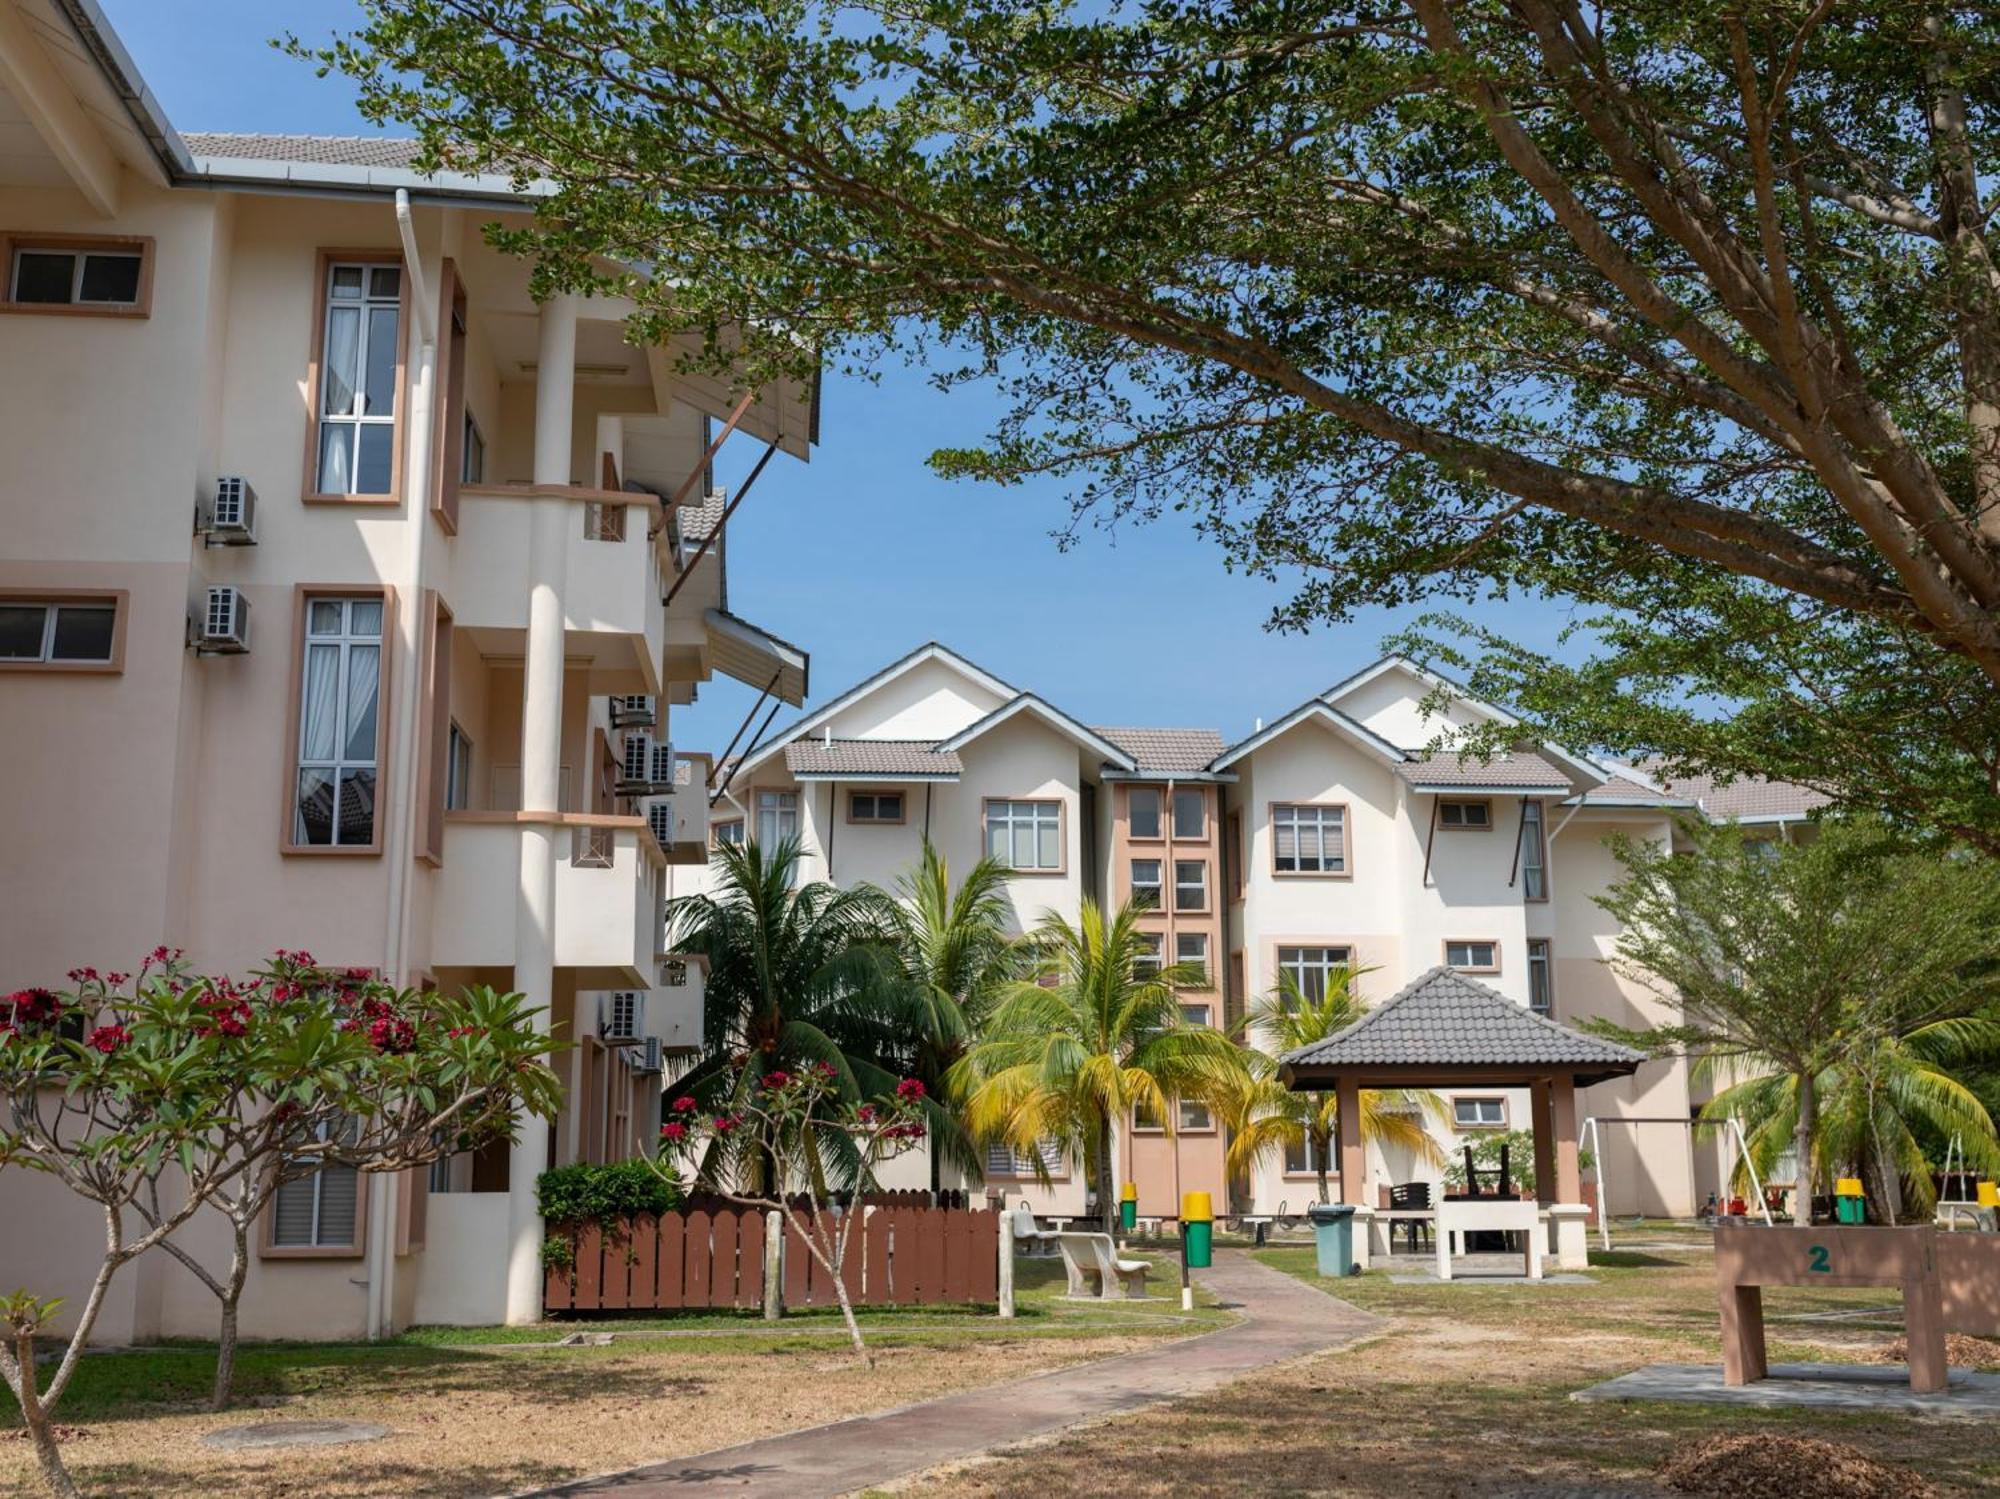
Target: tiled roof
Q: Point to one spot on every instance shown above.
(1620, 792)
(1516, 768)
(698, 518)
(314, 150)
(1746, 796)
(1167, 750)
(868, 757)
(1443, 1018)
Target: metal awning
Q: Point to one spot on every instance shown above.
(756, 657)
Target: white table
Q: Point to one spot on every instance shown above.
(1469, 1215)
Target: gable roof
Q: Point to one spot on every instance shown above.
(1629, 789)
(1054, 717)
(1168, 751)
(1312, 708)
(1750, 799)
(892, 759)
(1444, 1020)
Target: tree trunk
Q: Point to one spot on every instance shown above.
(1107, 1171)
(225, 1338)
(840, 1282)
(35, 1417)
(1322, 1143)
(1802, 1147)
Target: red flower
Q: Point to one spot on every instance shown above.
(866, 1113)
(35, 1007)
(108, 1038)
(724, 1124)
(392, 1036)
(685, 1105)
(824, 1069)
(464, 1030)
(116, 980)
(777, 1080)
(673, 1132)
(83, 975)
(909, 1089)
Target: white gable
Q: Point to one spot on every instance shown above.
(1388, 700)
(932, 700)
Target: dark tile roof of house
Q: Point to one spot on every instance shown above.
(1167, 750)
(1620, 791)
(1522, 769)
(811, 756)
(1747, 797)
(1444, 1019)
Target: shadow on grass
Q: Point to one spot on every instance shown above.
(360, 1475)
(1631, 1259)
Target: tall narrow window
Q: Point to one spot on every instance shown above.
(339, 715)
(1142, 810)
(1541, 982)
(1307, 838)
(1147, 962)
(360, 356)
(458, 771)
(1190, 885)
(777, 818)
(320, 1211)
(1191, 950)
(1146, 883)
(1534, 854)
(1190, 814)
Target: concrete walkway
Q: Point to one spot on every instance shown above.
(1281, 1318)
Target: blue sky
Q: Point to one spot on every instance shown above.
(863, 553)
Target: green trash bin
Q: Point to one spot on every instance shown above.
(1849, 1205)
(1198, 1228)
(1128, 1208)
(1333, 1237)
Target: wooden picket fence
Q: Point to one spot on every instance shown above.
(713, 1258)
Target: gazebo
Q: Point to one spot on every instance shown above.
(1444, 1030)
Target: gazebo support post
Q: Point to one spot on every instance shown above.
(1354, 1165)
(1568, 1217)
(1543, 1109)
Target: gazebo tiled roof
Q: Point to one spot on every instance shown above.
(1446, 1023)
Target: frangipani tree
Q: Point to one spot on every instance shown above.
(184, 1092)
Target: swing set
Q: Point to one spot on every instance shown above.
(1591, 1129)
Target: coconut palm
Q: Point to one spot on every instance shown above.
(797, 974)
(1265, 1116)
(955, 948)
(1087, 1039)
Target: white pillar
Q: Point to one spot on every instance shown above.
(541, 773)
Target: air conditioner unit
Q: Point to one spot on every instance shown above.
(660, 818)
(651, 1056)
(647, 767)
(664, 767)
(619, 1015)
(673, 973)
(223, 628)
(635, 712)
(232, 515)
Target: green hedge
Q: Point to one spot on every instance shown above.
(571, 1197)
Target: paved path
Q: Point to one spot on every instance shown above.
(1281, 1318)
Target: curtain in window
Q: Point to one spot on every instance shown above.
(341, 360)
(364, 672)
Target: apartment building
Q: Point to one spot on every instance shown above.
(1335, 837)
(347, 592)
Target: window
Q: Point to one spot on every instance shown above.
(728, 831)
(80, 632)
(1534, 854)
(339, 722)
(1025, 835)
(84, 276)
(1301, 1159)
(1459, 816)
(1142, 810)
(360, 367)
(1309, 839)
(1190, 885)
(320, 1211)
(1314, 970)
(1541, 981)
(1193, 1116)
(1473, 957)
(1191, 950)
(1235, 855)
(1195, 1015)
(472, 466)
(1151, 955)
(1004, 1160)
(1190, 814)
(457, 769)
(1146, 883)
(777, 818)
(1479, 1113)
(875, 806)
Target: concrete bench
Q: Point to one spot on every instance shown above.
(1457, 1217)
(1093, 1259)
(1029, 1238)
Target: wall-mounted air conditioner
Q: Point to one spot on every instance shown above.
(223, 626)
(230, 518)
(651, 1058)
(631, 712)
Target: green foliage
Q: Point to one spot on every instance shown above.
(1684, 312)
(570, 1196)
(1486, 1147)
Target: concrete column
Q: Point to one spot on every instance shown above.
(1569, 1180)
(1542, 1108)
(1353, 1159)
(541, 772)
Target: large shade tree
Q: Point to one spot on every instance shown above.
(1684, 309)
(1822, 981)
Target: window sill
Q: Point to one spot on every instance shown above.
(72, 309)
(311, 498)
(1029, 874)
(302, 1252)
(332, 850)
(1312, 874)
(66, 668)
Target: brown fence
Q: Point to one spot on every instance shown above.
(905, 1255)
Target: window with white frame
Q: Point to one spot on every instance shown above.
(1541, 978)
(1479, 1113)
(1146, 883)
(777, 818)
(729, 830)
(1301, 1159)
(1025, 835)
(1191, 951)
(1314, 970)
(319, 1211)
(1473, 957)
(77, 276)
(339, 710)
(1534, 853)
(875, 806)
(361, 346)
(1459, 816)
(472, 465)
(457, 769)
(1004, 1160)
(1142, 811)
(1308, 838)
(1151, 957)
(58, 633)
(1190, 884)
(1190, 813)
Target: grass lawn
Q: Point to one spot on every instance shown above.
(1465, 1393)
(484, 1411)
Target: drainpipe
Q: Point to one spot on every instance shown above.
(402, 831)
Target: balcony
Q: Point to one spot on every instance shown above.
(610, 885)
(679, 819)
(674, 1006)
(613, 578)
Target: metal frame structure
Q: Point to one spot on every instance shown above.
(1590, 1128)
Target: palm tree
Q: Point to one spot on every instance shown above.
(796, 975)
(1087, 1039)
(1266, 1116)
(955, 949)
(1872, 1103)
